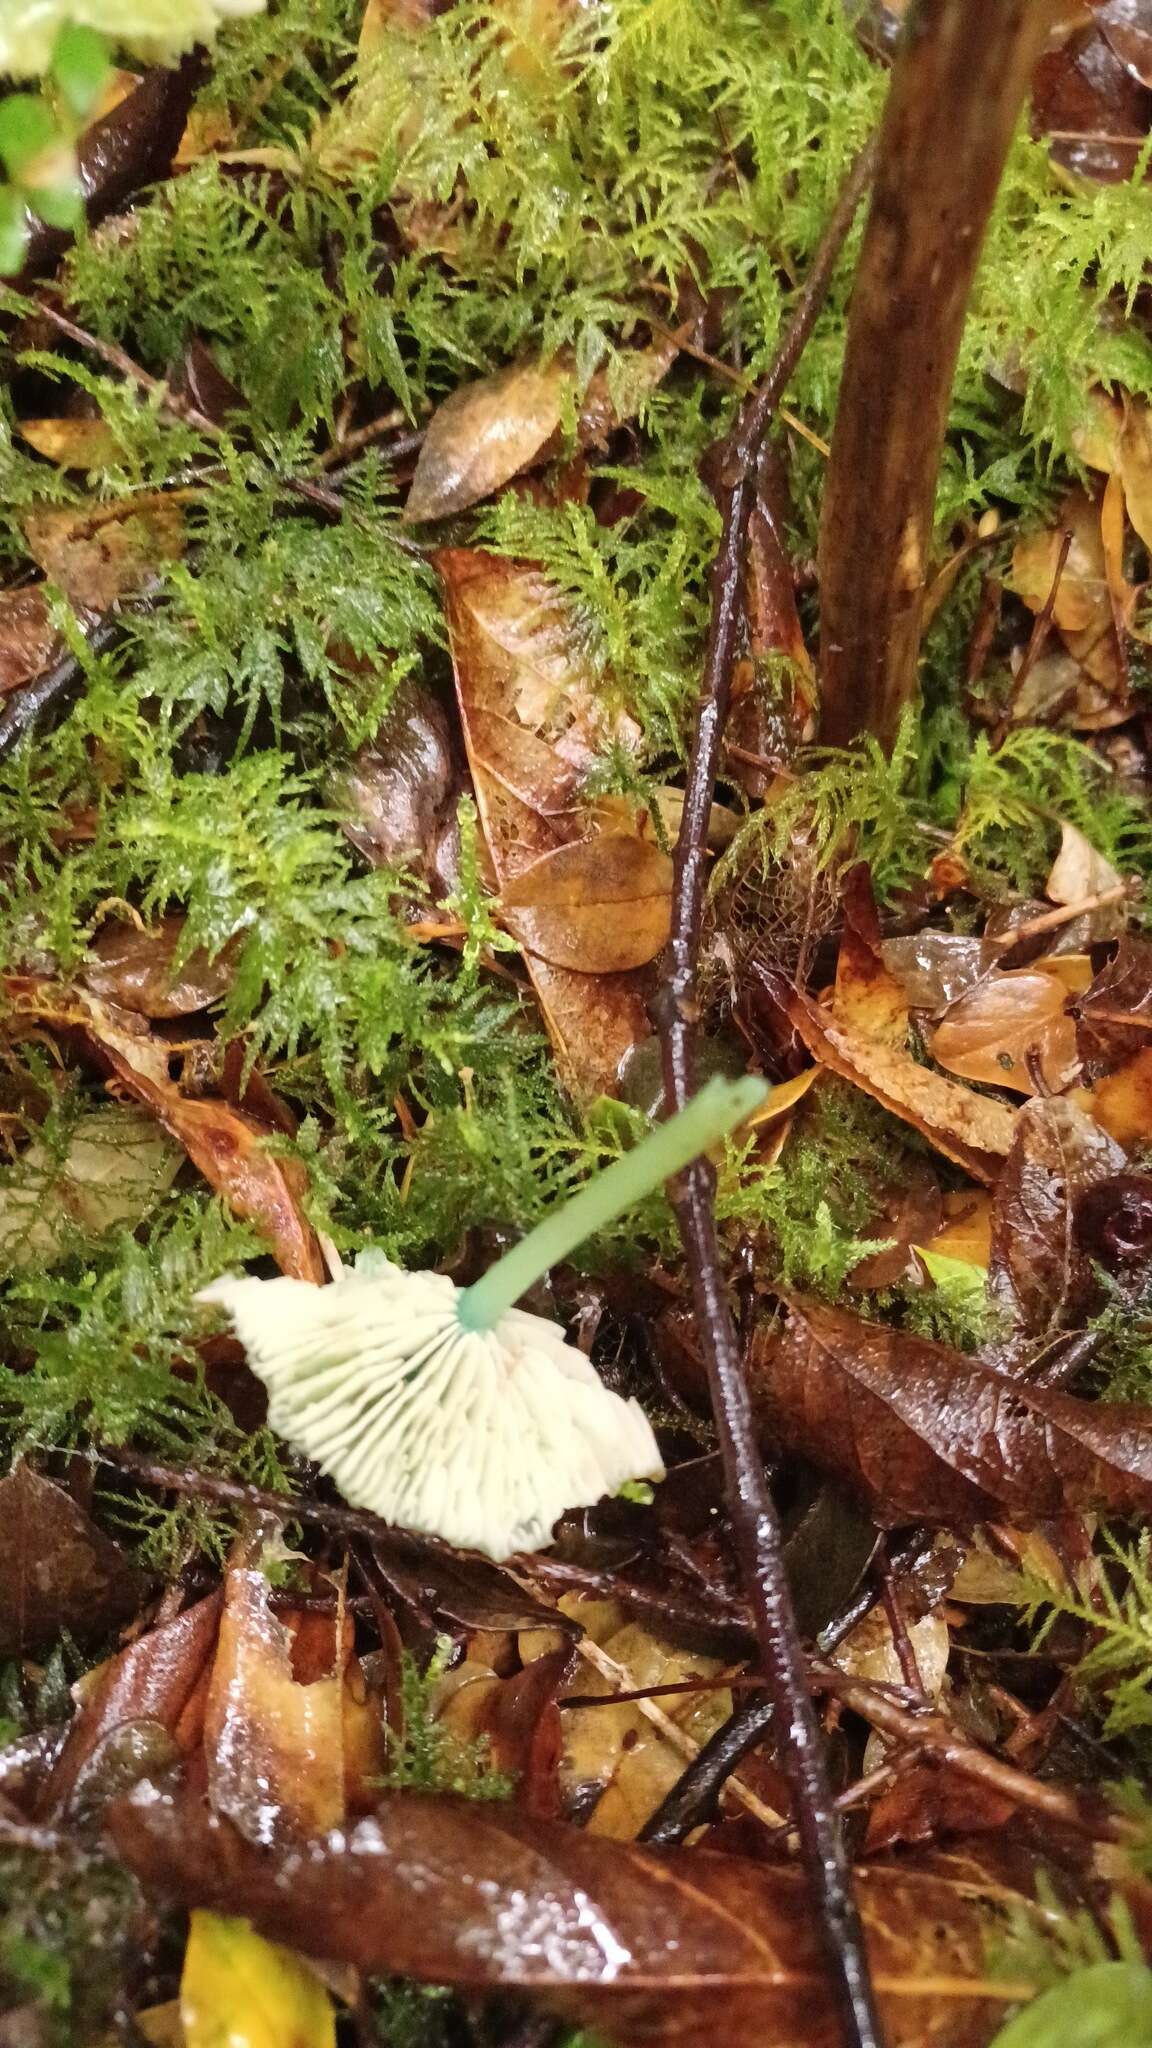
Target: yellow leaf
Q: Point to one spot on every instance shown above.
(240, 1991)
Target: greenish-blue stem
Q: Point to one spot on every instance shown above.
(718, 1108)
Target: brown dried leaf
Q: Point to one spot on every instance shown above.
(598, 906)
(928, 1434)
(1082, 603)
(160, 1677)
(989, 1033)
(485, 433)
(1114, 1014)
(1126, 26)
(1037, 1270)
(533, 724)
(867, 997)
(1079, 871)
(135, 969)
(971, 1129)
(657, 1949)
(519, 1719)
(1121, 1102)
(57, 1569)
(29, 642)
(934, 968)
(1094, 108)
(104, 552)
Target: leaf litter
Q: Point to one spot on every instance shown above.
(341, 886)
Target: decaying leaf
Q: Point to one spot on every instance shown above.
(227, 1145)
(104, 552)
(1012, 1031)
(239, 1991)
(867, 997)
(935, 968)
(117, 1163)
(1082, 607)
(519, 1720)
(160, 1678)
(397, 797)
(29, 642)
(485, 433)
(533, 725)
(972, 1129)
(1114, 1013)
(137, 970)
(928, 1434)
(869, 1650)
(1079, 871)
(274, 1733)
(599, 905)
(655, 1948)
(1038, 1272)
(58, 1571)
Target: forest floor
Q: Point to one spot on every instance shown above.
(364, 466)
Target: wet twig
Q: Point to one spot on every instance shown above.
(753, 1513)
(54, 689)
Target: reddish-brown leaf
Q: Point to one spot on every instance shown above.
(397, 798)
(1126, 26)
(1114, 1014)
(1092, 104)
(867, 997)
(658, 1949)
(928, 1434)
(29, 641)
(1038, 1272)
(519, 1719)
(158, 1678)
(533, 725)
(57, 1569)
(992, 1033)
(972, 1129)
(599, 905)
(136, 969)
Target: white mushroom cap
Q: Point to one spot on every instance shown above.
(483, 1438)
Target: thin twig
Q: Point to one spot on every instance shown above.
(1064, 913)
(754, 1519)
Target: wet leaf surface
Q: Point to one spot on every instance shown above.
(397, 798)
(238, 1988)
(484, 434)
(1039, 1270)
(598, 906)
(656, 1948)
(58, 1570)
(138, 970)
(928, 1434)
(1012, 1031)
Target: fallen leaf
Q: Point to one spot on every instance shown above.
(1038, 1273)
(239, 1991)
(1114, 1013)
(926, 1804)
(58, 1571)
(533, 725)
(869, 1650)
(73, 443)
(519, 1720)
(934, 968)
(928, 1434)
(1121, 1102)
(275, 1745)
(227, 1145)
(102, 552)
(484, 433)
(966, 1233)
(972, 1129)
(136, 969)
(116, 1165)
(397, 798)
(988, 1034)
(1093, 109)
(1079, 870)
(866, 997)
(599, 905)
(657, 1949)
(1081, 602)
(158, 1678)
(29, 642)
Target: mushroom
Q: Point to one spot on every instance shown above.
(448, 1410)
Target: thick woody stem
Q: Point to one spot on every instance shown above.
(959, 82)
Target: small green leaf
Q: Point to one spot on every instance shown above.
(960, 1275)
(1107, 2005)
(26, 127)
(61, 204)
(13, 230)
(80, 63)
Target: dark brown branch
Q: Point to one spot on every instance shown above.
(957, 88)
(54, 689)
(754, 1520)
